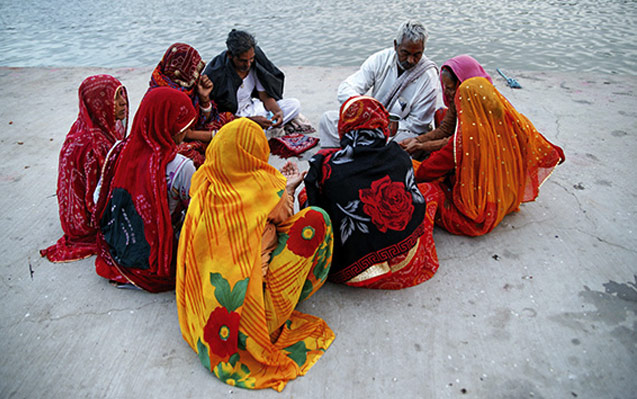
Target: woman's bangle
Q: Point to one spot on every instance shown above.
(207, 108)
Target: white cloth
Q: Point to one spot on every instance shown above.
(250, 106)
(179, 173)
(415, 106)
(244, 92)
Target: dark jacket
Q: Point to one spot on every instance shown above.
(226, 81)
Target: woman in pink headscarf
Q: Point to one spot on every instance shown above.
(452, 73)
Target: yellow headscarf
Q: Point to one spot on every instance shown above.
(219, 289)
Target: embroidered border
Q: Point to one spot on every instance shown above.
(381, 255)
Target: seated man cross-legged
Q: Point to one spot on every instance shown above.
(243, 73)
(402, 78)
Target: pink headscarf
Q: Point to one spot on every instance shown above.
(464, 67)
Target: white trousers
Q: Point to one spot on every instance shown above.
(290, 107)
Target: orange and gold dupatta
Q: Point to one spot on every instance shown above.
(501, 159)
(220, 297)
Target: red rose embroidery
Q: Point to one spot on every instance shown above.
(326, 167)
(302, 197)
(327, 172)
(221, 332)
(306, 234)
(388, 203)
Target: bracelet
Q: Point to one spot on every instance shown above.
(208, 108)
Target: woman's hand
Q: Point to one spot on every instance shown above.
(293, 175)
(412, 146)
(264, 270)
(204, 88)
(423, 143)
(407, 142)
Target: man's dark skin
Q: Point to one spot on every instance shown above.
(409, 54)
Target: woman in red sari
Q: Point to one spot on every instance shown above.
(495, 161)
(136, 240)
(100, 123)
(382, 224)
(180, 68)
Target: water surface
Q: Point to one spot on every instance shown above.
(590, 36)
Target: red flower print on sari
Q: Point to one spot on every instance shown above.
(221, 332)
(306, 234)
(388, 204)
(326, 167)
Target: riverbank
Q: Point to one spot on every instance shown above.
(545, 306)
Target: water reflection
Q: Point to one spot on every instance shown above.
(593, 36)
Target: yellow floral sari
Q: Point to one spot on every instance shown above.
(244, 326)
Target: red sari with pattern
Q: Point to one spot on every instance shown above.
(135, 238)
(180, 68)
(383, 226)
(81, 158)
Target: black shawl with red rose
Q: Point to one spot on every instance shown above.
(369, 191)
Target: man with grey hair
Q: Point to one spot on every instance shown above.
(402, 78)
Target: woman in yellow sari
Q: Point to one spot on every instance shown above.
(245, 261)
(495, 161)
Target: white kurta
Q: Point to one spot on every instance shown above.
(416, 104)
(250, 106)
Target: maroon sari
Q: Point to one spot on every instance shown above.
(180, 69)
(81, 159)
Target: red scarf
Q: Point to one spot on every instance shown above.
(179, 68)
(136, 236)
(362, 112)
(81, 159)
(368, 189)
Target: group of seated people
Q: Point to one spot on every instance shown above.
(188, 200)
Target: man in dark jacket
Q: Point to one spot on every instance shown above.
(247, 84)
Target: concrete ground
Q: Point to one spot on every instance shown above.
(542, 307)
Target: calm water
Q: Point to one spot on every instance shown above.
(527, 35)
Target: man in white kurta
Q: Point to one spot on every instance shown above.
(412, 97)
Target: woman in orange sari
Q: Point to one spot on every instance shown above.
(453, 72)
(245, 261)
(495, 161)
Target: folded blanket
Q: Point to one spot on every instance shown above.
(291, 145)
